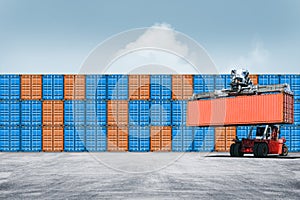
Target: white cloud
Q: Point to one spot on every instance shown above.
(257, 59)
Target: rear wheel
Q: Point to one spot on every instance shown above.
(255, 149)
(263, 150)
(232, 150)
(237, 150)
(285, 150)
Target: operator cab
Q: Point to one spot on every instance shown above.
(268, 132)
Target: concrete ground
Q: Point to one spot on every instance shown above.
(147, 176)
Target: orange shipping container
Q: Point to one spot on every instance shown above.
(117, 112)
(182, 87)
(224, 137)
(254, 78)
(117, 138)
(139, 87)
(53, 138)
(242, 110)
(31, 87)
(53, 113)
(74, 87)
(161, 138)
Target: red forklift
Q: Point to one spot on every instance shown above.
(266, 142)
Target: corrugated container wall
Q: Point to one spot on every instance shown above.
(179, 113)
(254, 78)
(10, 87)
(161, 87)
(95, 113)
(74, 113)
(95, 138)
(31, 113)
(204, 83)
(182, 138)
(182, 87)
(294, 82)
(53, 87)
(31, 87)
(117, 87)
(117, 138)
(222, 82)
(204, 139)
(53, 113)
(10, 138)
(31, 138)
(10, 113)
(139, 113)
(224, 111)
(224, 137)
(139, 87)
(74, 138)
(117, 112)
(74, 87)
(160, 113)
(53, 138)
(96, 87)
(139, 138)
(161, 138)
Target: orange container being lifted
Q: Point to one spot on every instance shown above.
(161, 138)
(31, 87)
(74, 87)
(242, 110)
(117, 138)
(53, 113)
(139, 87)
(224, 137)
(117, 112)
(182, 87)
(53, 138)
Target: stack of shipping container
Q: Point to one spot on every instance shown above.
(137, 113)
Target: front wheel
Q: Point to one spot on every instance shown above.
(237, 150)
(285, 150)
(263, 150)
(232, 150)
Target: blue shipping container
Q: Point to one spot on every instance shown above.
(285, 131)
(160, 113)
(297, 112)
(95, 139)
(268, 79)
(74, 113)
(139, 138)
(95, 113)
(294, 82)
(204, 139)
(204, 83)
(96, 87)
(179, 113)
(182, 138)
(53, 87)
(117, 87)
(31, 113)
(295, 139)
(161, 87)
(9, 138)
(10, 113)
(139, 112)
(74, 138)
(9, 87)
(243, 131)
(222, 81)
(31, 138)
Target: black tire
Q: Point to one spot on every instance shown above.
(232, 150)
(285, 150)
(263, 150)
(237, 150)
(255, 148)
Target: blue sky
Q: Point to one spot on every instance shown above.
(55, 36)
